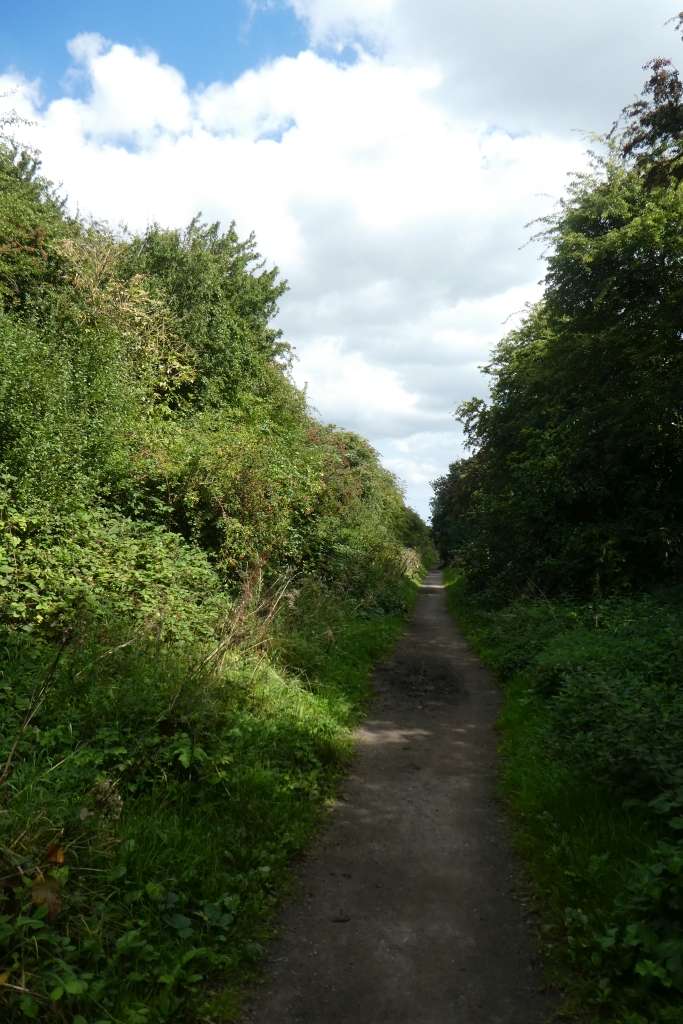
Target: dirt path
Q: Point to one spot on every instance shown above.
(406, 911)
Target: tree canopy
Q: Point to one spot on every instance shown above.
(575, 472)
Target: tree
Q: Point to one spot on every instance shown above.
(577, 464)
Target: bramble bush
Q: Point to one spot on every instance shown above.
(195, 577)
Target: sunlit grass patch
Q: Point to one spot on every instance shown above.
(152, 810)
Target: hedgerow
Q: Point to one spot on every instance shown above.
(563, 529)
(195, 577)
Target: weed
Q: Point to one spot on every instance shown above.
(152, 809)
(591, 740)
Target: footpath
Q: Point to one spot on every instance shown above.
(407, 910)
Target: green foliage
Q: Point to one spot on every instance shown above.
(89, 568)
(577, 461)
(417, 536)
(566, 524)
(576, 465)
(592, 734)
(195, 577)
(32, 222)
(155, 799)
(221, 301)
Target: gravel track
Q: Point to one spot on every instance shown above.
(407, 910)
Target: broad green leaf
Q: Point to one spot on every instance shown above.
(29, 1006)
(128, 940)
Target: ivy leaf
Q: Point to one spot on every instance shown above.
(215, 915)
(212, 912)
(155, 890)
(75, 987)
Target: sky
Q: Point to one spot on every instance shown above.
(390, 156)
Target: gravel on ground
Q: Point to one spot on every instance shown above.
(408, 907)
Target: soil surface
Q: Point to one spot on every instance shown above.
(406, 911)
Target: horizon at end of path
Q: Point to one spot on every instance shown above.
(406, 909)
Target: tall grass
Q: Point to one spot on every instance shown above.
(195, 576)
(154, 803)
(603, 864)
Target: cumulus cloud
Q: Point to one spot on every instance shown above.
(395, 207)
(530, 65)
(132, 95)
(338, 22)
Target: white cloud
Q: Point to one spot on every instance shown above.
(529, 65)
(132, 94)
(393, 203)
(341, 21)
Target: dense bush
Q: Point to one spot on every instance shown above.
(592, 735)
(576, 470)
(195, 576)
(564, 531)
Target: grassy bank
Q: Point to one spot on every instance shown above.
(156, 798)
(195, 576)
(592, 743)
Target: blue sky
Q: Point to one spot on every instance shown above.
(388, 155)
(206, 41)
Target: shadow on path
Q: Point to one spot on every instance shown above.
(407, 911)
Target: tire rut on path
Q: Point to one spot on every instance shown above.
(406, 911)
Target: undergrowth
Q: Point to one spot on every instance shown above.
(155, 799)
(195, 576)
(592, 770)
(565, 522)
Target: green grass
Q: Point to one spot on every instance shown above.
(596, 871)
(195, 577)
(175, 794)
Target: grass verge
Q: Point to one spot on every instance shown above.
(152, 801)
(590, 780)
